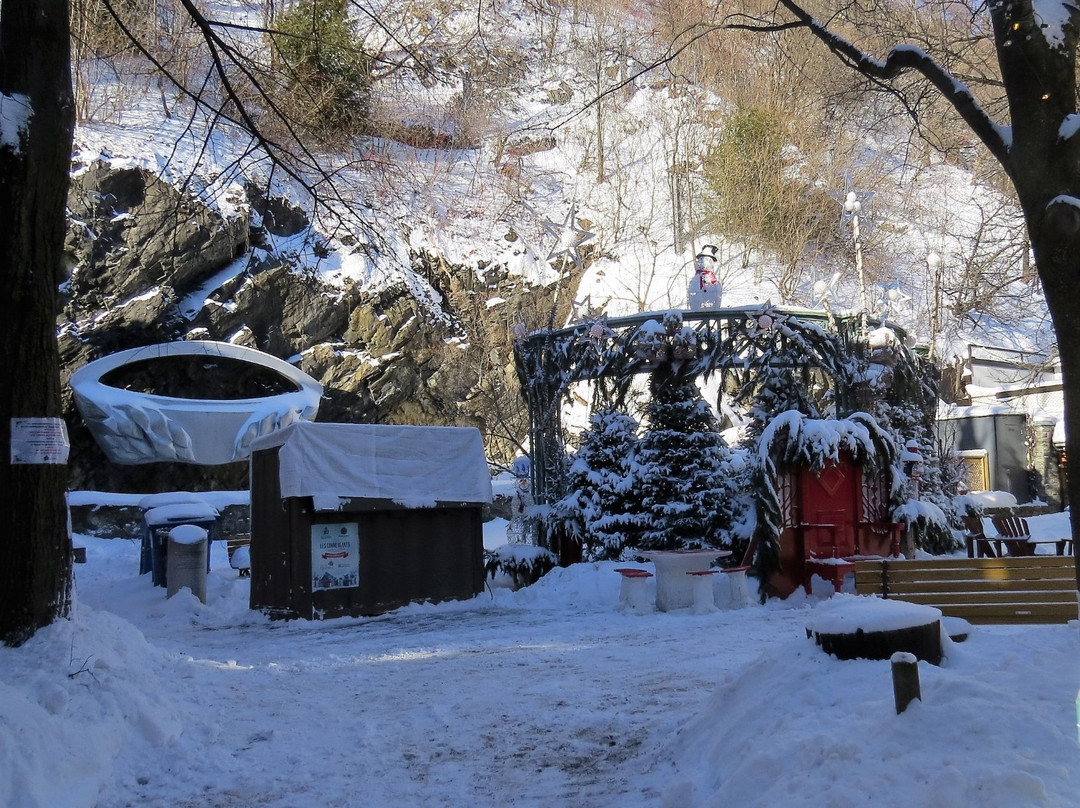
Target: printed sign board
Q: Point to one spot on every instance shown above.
(335, 556)
(39, 440)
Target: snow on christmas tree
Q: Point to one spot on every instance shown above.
(596, 512)
(682, 474)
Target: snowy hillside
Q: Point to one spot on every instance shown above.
(553, 142)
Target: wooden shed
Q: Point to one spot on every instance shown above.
(358, 519)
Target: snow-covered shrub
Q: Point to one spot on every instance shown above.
(521, 564)
(930, 524)
(967, 505)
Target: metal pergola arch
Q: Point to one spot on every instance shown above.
(694, 343)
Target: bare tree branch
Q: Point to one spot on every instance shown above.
(900, 59)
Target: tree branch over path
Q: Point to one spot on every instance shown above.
(292, 156)
(900, 59)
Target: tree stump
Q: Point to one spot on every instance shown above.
(859, 627)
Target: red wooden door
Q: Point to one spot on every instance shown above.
(829, 506)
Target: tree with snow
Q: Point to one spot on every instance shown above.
(682, 482)
(901, 392)
(36, 125)
(596, 512)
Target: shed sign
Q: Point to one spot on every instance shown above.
(335, 556)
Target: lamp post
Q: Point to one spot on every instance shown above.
(853, 202)
(911, 457)
(933, 263)
(852, 210)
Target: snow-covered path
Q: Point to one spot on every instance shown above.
(437, 707)
(545, 698)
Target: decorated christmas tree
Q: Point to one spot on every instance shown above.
(596, 511)
(682, 475)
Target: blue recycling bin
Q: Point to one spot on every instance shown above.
(149, 502)
(158, 521)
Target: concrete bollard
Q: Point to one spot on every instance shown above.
(905, 679)
(186, 564)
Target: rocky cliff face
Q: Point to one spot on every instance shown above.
(138, 248)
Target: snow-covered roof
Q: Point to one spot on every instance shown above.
(416, 466)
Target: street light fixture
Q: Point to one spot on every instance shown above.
(853, 202)
(933, 263)
(852, 210)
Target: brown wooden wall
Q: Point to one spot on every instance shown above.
(406, 554)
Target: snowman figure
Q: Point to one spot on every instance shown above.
(704, 290)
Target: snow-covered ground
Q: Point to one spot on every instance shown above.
(550, 696)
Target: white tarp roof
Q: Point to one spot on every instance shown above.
(415, 466)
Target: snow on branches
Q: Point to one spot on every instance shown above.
(811, 442)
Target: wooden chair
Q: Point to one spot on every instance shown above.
(1014, 531)
(1016, 534)
(978, 545)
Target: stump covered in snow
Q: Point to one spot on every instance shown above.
(859, 627)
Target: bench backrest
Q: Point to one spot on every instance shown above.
(974, 526)
(1031, 589)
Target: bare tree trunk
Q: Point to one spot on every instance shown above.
(35, 77)
(601, 169)
(1059, 270)
(1040, 84)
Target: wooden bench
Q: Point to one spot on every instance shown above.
(1027, 589)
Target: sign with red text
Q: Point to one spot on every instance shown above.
(335, 556)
